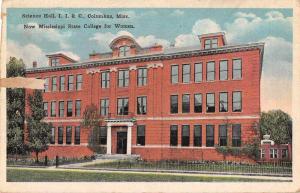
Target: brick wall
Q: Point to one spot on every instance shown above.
(158, 91)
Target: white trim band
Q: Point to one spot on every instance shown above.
(175, 118)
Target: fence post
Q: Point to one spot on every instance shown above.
(46, 160)
(56, 161)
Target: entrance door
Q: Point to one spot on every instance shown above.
(121, 142)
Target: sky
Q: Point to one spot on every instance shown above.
(176, 27)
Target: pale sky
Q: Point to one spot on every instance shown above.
(165, 26)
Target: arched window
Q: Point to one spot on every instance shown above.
(124, 51)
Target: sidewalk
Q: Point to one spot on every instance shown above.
(83, 166)
(92, 170)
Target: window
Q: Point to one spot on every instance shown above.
(222, 135)
(53, 109)
(198, 72)
(237, 101)
(60, 135)
(54, 84)
(198, 103)
(174, 135)
(52, 139)
(61, 112)
(185, 135)
(69, 109)
(62, 83)
(124, 51)
(273, 153)
(77, 108)
(105, 79)
(77, 135)
(103, 135)
(140, 140)
(236, 135)
(186, 73)
(210, 135)
(223, 70)
(210, 102)
(210, 71)
(237, 69)
(69, 135)
(214, 43)
(123, 106)
(284, 153)
(45, 104)
(211, 43)
(223, 102)
(197, 135)
(174, 74)
(142, 105)
(174, 104)
(54, 61)
(142, 77)
(70, 82)
(262, 153)
(46, 85)
(123, 78)
(207, 44)
(185, 103)
(104, 107)
(79, 82)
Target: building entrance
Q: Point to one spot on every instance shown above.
(121, 142)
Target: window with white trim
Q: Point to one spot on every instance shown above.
(54, 83)
(124, 51)
(123, 78)
(105, 79)
(174, 74)
(236, 69)
(223, 102)
(142, 105)
(104, 107)
(237, 101)
(140, 136)
(273, 153)
(223, 70)
(198, 72)
(142, 77)
(123, 106)
(186, 73)
(210, 71)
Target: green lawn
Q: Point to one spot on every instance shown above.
(210, 167)
(46, 175)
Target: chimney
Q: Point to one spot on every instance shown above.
(34, 64)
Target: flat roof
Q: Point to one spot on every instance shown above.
(167, 53)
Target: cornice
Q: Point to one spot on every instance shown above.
(150, 57)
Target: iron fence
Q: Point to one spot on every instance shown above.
(261, 168)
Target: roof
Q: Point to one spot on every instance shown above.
(169, 53)
(61, 54)
(214, 34)
(124, 37)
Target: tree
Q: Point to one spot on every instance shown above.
(278, 125)
(15, 110)
(91, 120)
(39, 132)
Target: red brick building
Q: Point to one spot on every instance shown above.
(160, 103)
(271, 152)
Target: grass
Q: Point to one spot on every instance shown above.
(215, 167)
(46, 175)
